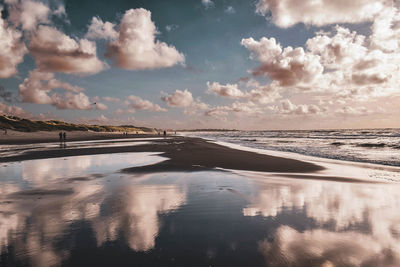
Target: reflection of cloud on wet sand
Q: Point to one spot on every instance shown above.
(325, 248)
(137, 215)
(8, 218)
(45, 171)
(31, 222)
(343, 205)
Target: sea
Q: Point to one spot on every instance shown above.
(377, 146)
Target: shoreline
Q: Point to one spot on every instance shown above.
(184, 154)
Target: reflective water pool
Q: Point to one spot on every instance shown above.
(82, 211)
(14, 150)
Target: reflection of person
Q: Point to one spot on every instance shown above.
(65, 136)
(60, 135)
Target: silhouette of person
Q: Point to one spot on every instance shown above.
(165, 133)
(65, 136)
(60, 135)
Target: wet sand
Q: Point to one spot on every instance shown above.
(184, 154)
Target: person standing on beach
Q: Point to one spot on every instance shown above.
(65, 136)
(60, 135)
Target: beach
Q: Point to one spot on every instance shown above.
(185, 154)
(17, 137)
(149, 200)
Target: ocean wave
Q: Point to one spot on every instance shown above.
(378, 146)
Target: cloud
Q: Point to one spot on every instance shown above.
(258, 94)
(171, 27)
(12, 49)
(184, 99)
(37, 88)
(288, 66)
(137, 103)
(29, 14)
(228, 90)
(111, 99)
(179, 99)
(287, 107)
(358, 67)
(207, 4)
(101, 106)
(196, 106)
(60, 11)
(100, 120)
(101, 30)
(286, 13)
(347, 110)
(339, 62)
(386, 30)
(218, 113)
(337, 48)
(14, 111)
(136, 47)
(264, 94)
(56, 52)
(239, 108)
(71, 101)
(230, 10)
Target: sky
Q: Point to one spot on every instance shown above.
(190, 64)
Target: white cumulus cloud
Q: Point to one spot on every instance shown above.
(12, 49)
(135, 102)
(29, 14)
(101, 30)
(38, 89)
(289, 66)
(227, 90)
(136, 47)
(286, 13)
(179, 99)
(54, 51)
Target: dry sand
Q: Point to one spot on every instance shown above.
(15, 137)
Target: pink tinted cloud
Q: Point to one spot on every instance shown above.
(12, 49)
(136, 47)
(56, 52)
(38, 89)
